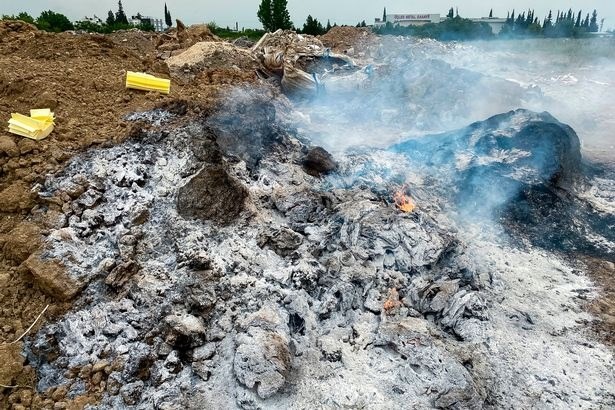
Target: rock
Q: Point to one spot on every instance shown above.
(52, 277)
(212, 195)
(131, 392)
(262, 358)
(190, 327)
(114, 383)
(100, 366)
(8, 146)
(204, 352)
(22, 241)
(319, 162)
(26, 145)
(16, 197)
(283, 241)
(121, 274)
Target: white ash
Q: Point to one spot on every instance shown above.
(308, 320)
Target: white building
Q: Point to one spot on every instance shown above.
(138, 19)
(405, 20)
(496, 23)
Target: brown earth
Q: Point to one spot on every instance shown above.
(340, 39)
(81, 78)
(603, 307)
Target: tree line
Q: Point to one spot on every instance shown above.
(57, 22)
(565, 24)
(274, 15)
(526, 24)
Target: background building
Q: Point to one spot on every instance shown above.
(139, 19)
(406, 20)
(496, 23)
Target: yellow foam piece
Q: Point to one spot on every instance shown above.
(147, 82)
(42, 114)
(38, 126)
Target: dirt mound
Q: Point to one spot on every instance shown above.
(341, 39)
(140, 42)
(208, 56)
(14, 27)
(182, 37)
(290, 43)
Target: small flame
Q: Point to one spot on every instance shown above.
(403, 201)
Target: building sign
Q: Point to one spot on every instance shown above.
(399, 17)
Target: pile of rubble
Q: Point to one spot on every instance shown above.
(350, 40)
(213, 254)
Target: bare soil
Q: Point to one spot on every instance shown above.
(81, 78)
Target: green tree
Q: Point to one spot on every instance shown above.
(451, 13)
(578, 23)
(312, 26)
(491, 14)
(384, 15)
(120, 16)
(328, 26)
(23, 16)
(593, 23)
(265, 15)
(52, 21)
(280, 15)
(110, 18)
(167, 16)
(146, 25)
(89, 26)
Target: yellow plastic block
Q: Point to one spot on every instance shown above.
(42, 114)
(34, 128)
(147, 82)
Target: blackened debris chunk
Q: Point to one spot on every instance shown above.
(212, 195)
(319, 162)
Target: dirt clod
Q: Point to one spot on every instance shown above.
(212, 195)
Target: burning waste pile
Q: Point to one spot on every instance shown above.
(217, 258)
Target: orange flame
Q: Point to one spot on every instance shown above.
(403, 201)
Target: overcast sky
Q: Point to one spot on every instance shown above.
(227, 12)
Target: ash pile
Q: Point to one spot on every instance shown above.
(218, 259)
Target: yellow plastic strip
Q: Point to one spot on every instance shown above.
(147, 82)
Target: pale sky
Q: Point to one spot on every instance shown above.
(227, 12)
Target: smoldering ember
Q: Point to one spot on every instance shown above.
(343, 221)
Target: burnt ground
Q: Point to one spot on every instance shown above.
(82, 80)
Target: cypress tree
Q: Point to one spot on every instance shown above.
(384, 15)
(111, 18)
(593, 23)
(167, 16)
(491, 14)
(578, 23)
(120, 16)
